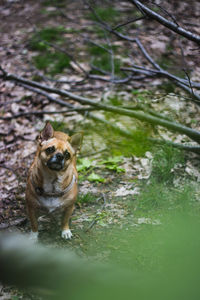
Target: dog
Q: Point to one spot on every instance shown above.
(52, 178)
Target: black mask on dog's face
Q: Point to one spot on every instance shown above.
(57, 160)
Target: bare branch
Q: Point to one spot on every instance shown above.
(171, 25)
(129, 22)
(192, 133)
(166, 12)
(43, 112)
(146, 55)
(185, 84)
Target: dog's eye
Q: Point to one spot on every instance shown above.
(50, 150)
(67, 155)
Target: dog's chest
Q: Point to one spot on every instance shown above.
(51, 203)
(51, 185)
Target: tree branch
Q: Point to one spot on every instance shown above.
(128, 22)
(192, 133)
(43, 112)
(171, 25)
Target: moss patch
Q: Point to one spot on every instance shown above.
(53, 63)
(49, 59)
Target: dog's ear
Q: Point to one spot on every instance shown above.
(76, 141)
(46, 133)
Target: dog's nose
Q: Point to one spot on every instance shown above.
(59, 156)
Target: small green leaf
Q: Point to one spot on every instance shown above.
(84, 164)
(95, 177)
(113, 160)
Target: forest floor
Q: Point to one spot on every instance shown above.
(126, 188)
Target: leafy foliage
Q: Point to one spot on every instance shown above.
(112, 164)
(164, 161)
(84, 164)
(95, 178)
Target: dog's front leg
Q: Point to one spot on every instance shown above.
(34, 223)
(66, 232)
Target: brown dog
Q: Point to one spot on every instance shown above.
(52, 178)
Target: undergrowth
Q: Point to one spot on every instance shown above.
(164, 161)
(50, 60)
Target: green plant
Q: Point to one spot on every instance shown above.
(95, 178)
(49, 60)
(84, 164)
(52, 63)
(112, 164)
(47, 34)
(115, 101)
(86, 198)
(164, 161)
(158, 196)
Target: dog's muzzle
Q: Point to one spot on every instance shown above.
(56, 162)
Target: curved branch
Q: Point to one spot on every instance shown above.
(44, 112)
(171, 25)
(192, 133)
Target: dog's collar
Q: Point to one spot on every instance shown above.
(40, 192)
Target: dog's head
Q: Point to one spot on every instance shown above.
(56, 149)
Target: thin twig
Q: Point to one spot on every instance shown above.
(179, 81)
(171, 25)
(24, 114)
(166, 12)
(128, 22)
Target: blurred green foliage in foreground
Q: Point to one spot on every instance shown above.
(171, 268)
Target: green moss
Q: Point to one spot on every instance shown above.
(47, 34)
(119, 144)
(52, 63)
(49, 60)
(115, 101)
(107, 14)
(142, 95)
(138, 145)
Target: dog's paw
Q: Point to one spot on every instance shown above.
(33, 236)
(66, 234)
